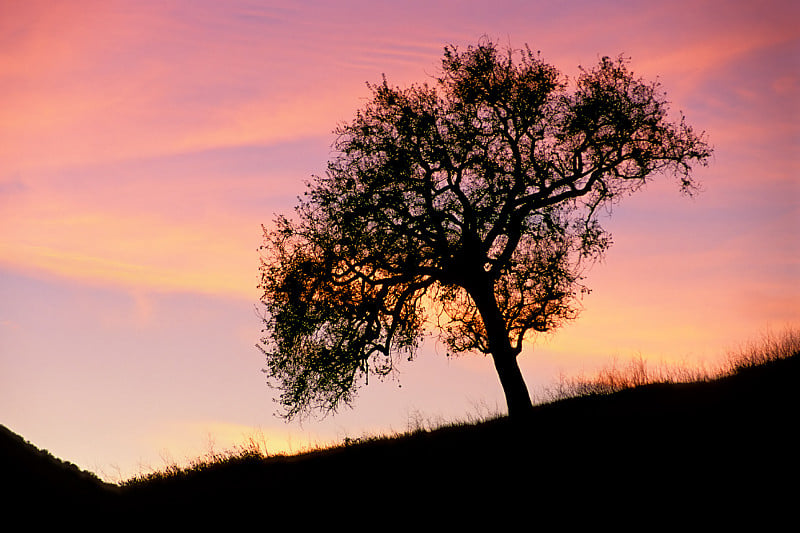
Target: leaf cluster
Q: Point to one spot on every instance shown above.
(480, 193)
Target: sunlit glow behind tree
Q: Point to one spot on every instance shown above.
(480, 194)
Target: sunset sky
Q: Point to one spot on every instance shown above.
(143, 143)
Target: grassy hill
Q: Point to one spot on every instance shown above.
(718, 446)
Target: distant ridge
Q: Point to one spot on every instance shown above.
(29, 472)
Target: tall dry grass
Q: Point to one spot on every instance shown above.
(639, 371)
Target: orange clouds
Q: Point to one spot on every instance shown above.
(91, 90)
(105, 82)
(173, 261)
(98, 238)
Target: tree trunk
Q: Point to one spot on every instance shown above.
(517, 397)
(505, 357)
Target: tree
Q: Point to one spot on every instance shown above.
(471, 204)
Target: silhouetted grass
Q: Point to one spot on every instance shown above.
(639, 371)
(660, 441)
(610, 380)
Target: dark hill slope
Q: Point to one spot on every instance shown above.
(680, 444)
(29, 474)
(722, 446)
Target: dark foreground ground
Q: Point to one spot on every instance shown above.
(702, 454)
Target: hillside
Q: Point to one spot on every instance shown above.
(654, 447)
(32, 474)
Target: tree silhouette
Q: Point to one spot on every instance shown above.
(471, 204)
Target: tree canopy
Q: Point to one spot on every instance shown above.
(470, 205)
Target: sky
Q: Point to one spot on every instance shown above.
(144, 143)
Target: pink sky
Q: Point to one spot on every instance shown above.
(142, 145)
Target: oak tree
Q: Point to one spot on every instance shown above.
(470, 205)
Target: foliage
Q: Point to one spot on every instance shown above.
(472, 204)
